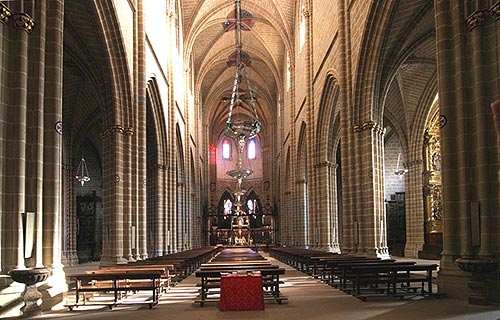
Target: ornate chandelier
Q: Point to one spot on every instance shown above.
(242, 96)
(242, 120)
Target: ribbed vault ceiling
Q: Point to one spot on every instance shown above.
(208, 47)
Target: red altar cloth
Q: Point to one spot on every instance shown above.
(241, 292)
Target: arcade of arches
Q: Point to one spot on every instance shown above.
(377, 133)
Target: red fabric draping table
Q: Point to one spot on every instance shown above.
(241, 292)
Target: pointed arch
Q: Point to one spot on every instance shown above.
(157, 123)
(373, 35)
(180, 149)
(227, 194)
(121, 97)
(328, 120)
(301, 153)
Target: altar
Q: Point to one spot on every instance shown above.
(241, 292)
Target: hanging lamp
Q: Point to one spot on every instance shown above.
(82, 173)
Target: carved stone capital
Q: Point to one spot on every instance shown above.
(22, 21)
(5, 13)
(369, 125)
(495, 11)
(325, 163)
(116, 128)
(476, 19)
(128, 131)
(18, 20)
(413, 163)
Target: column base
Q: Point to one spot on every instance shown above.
(383, 253)
(110, 261)
(54, 290)
(334, 248)
(70, 258)
(412, 249)
(431, 252)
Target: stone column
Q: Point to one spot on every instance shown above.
(69, 215)
(333, 201)
(14, 116)
(35, 127)
(315, 190)
(370, 192)
(495, 106)
(414, 208)
(52, 153)
(160, 234)
(141, 249)
(327, 226)
(171, 185)
(113, 173)
(127, 180)
(467, 48)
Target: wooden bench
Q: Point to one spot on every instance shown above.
(346, 276)
(210, 279)
(166, 277)
(397, 279)
(117, 283)
(323, 265)
(184, 262)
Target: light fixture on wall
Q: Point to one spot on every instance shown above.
(400, 172)
(82, 173)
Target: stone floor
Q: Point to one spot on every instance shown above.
(308, 299)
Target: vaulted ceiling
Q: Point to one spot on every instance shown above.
(208, 47)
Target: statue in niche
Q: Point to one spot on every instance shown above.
(436, 162)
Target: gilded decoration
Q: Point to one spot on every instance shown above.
(483, 17)
(5, 14)
(18, 20)
(476, 19)
(495, 10)
(432, 177)
(23, 21)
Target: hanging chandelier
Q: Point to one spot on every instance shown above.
(82, 173)
(242, 96)
(242, 121)
(400, 172)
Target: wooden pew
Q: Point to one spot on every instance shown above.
(185, 262)
(336, 270)
(165, 268)
(397, 278)
(346, 276)
(320, 263)
(210, 279)
(117, 282)
(240, 261)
